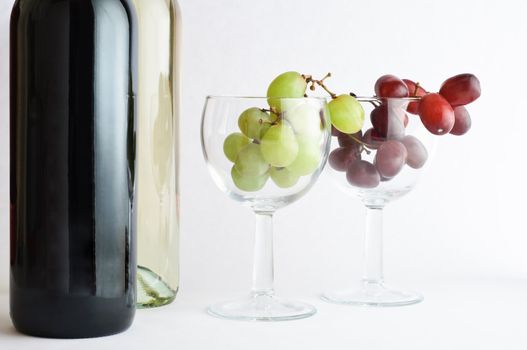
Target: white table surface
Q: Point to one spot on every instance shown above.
(456, 314)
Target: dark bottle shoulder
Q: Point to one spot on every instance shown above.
(72, 8)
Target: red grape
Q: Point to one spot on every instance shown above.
(416, 152)
(363, 174)
(463, 121)
(461, 89)
(436, 114)
(373, 139)
(384, 179)
(335, 131)
(414, 90)
(346, 140)
(390, 158)
(341, 158)
(386, 122)
(390, 86)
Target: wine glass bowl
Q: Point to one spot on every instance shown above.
(221, 119)
(406, 178)
(379, 164)
(265, 154)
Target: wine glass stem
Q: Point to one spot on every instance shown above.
(263, 270)
(373, 273)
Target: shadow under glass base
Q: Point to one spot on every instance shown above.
(373, 294)
(262, 307)
(152, 291)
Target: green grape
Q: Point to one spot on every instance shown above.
(250, 161)
(279, 146)
(233, 144)
(248, 183)
(347, 114)
(305, 119)
(308, 158)
(283, 178)
(254, 122)
(286, 85)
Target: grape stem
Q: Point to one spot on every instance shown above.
(416, 88)
(364, 145)
(271, 110)
(319, 82)
(363, 148)
(374, 104)
(261, 122)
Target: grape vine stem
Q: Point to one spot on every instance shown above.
(364, 145)
(415, 89)
(319, 82)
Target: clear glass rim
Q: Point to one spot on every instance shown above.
(233, 97)
(316, 98)
(380, 99)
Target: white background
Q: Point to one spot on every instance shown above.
(459, 236)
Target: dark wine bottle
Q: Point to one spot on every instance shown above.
(73, 249)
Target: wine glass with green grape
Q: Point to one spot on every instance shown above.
(265, 152)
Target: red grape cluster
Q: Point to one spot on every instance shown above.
(440, 113)
(392, 153)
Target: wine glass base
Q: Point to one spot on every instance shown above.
(262, 307)
(373, 294)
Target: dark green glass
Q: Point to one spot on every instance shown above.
(73, 250)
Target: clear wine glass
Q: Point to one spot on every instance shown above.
(377, 176)
(277, 164)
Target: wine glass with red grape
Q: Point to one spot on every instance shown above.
(378, 164)
(382, 159)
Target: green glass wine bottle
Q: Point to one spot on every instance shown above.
(73, 115)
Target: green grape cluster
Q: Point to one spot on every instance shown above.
(282, 142)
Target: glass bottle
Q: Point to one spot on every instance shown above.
(73, 256)
(158, 156)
